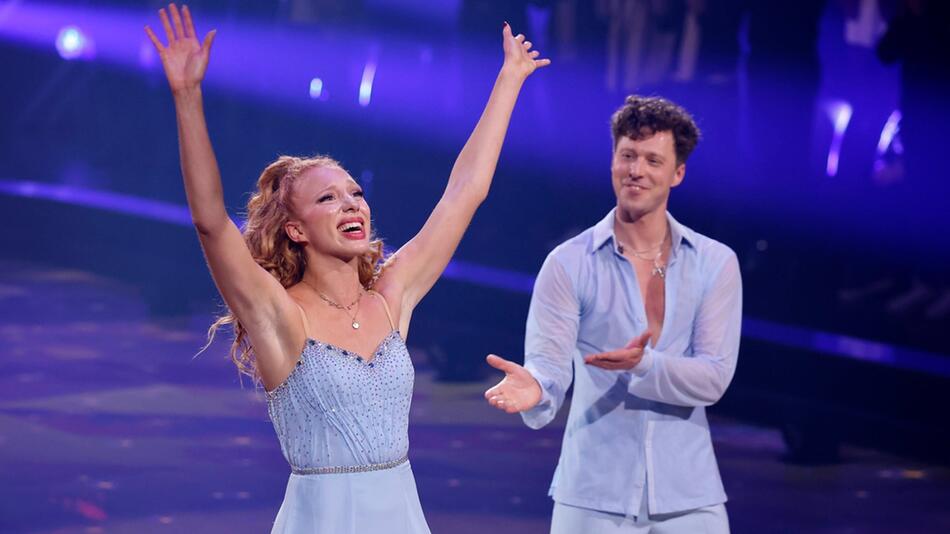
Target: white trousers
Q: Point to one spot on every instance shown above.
(569, 519)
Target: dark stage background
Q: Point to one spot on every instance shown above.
(823, 165)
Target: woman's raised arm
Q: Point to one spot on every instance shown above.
(254, 296)
(414, 268)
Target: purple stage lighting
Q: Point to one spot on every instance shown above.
(71, 43)
(147, 55)
(887, 165)
(366, 85)
(425, 91)
(891, 129)
(827, 343)
(840, 114)
(100, 199)
(316, 88)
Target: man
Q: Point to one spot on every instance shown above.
(637, 455)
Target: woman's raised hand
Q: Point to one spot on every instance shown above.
(519, 58)
(184, 58)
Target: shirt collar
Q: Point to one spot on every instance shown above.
(604, 231)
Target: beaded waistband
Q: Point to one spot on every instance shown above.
(349, 468)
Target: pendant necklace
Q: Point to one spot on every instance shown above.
(659, 269)
(346, 309)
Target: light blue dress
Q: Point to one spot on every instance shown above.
(342, 421)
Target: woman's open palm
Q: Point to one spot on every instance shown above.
(184, 58)
(518, 54)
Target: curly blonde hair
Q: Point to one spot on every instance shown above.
(268, 210)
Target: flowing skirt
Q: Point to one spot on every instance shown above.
(384, 502)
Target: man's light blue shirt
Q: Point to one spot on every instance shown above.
(642, 433)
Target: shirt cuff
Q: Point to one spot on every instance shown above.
(541, 414)
(646, 363)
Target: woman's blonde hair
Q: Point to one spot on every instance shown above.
(268, 210)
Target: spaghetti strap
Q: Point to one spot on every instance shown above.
(306, 323)
(385, 307)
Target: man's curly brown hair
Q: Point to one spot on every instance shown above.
(643, 116)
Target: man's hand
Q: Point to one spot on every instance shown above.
(620, 360)
(517, 392)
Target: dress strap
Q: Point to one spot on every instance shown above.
(385, 307)
(306, 323)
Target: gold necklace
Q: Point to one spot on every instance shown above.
(346, 309)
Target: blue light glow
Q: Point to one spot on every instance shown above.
(105, 200)
(71, 43)
(891, 128)
(826, 343)
(840, 114)
(316, 88)
(366, 84)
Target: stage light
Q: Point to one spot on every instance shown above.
(840, 114)
(366, 84)
(888, 167)
(891, 128)
(316, 88)
(71, 43)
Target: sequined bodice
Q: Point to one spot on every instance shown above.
(338, 409)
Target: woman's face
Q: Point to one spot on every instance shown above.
(330, 213)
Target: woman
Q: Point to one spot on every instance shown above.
(320, 319)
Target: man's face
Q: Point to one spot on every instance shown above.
(643, 172)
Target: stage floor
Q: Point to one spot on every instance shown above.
(109, 424)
